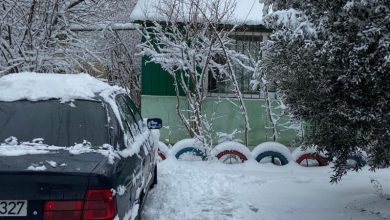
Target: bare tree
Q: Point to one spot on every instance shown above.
(274, 105)
(190, 43)
(35, 35)
(70, 36)
(123, 67)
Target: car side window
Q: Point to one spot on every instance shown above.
(134, 110)
(127, 115)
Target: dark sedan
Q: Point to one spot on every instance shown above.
(75, 159)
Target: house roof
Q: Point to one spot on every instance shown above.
(246, 12)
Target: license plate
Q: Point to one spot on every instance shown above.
(13, 208)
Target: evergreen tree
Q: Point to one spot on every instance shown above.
(331, 62)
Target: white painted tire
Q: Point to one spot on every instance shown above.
(272, 149)
(189, 149)
(231, 150)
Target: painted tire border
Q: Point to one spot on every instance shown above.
(272, 149)
(359, 160)
(270, 153)
(231, 148)
(195, 150)
(322, 161)
(242, 157)
(162, 155)
(163, 151)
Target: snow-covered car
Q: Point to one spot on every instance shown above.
(72, 147)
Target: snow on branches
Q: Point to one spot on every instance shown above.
(191, 44)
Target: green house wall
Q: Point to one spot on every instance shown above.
(229, 118)
(155, 81)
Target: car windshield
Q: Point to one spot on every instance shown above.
(59, 124)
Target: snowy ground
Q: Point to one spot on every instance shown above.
(211, 190)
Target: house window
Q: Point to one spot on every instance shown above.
(245, 43)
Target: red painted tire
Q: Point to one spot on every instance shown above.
(232, 152)
(321, 160)
(162, 155)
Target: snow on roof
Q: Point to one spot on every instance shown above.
(249, 12)
(100, 27)
(38, 86)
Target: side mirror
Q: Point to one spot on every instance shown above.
(154, 123)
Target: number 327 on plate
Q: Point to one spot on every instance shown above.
(13, 208)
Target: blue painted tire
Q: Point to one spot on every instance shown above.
(283, 159)
(193, 150)
(359, 160)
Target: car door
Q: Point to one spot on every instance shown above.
(132, 166)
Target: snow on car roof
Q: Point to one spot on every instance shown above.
(39, 86)
(249, 12)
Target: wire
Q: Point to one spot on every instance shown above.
(253, 5)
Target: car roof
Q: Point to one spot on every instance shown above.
(43, 86)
